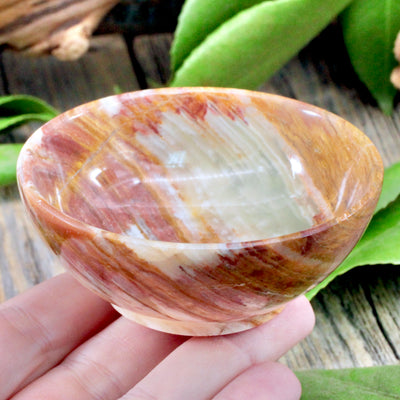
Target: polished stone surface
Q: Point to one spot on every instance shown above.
(200, 211)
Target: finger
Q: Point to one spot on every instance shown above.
(269, 380)
(41, 326)
(199, 368)
(106, 366)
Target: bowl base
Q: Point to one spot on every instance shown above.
(197, 328)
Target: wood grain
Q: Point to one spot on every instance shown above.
(104, 70)
(153, 54)
(358, 315)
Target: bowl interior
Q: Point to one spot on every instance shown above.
(202, 165)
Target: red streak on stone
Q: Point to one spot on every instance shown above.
(193, 105)
(233, 110)
(45, 178)
(143, 114)
(116, 199)
(196, 106)
(63, 145)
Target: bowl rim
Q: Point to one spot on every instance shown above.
(63, 218)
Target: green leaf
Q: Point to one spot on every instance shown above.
(252, 45)
(17, 120)
(390, 187)
(369, 30)
(379, 245)
(25, 104)
(16, 110)
(8, 160)
(197, 19)
(373, 383)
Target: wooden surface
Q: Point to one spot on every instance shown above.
(358, 315)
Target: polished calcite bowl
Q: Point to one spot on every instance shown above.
(199, 211)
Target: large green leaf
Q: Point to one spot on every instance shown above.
(16, 110)
(369, 29)
(25, 104)
(17, 120)
(374, 383)
(390, 187)
(252, 45)
(380, 242)
(8, 159)
(199, 18)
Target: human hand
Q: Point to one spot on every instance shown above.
(60, 341)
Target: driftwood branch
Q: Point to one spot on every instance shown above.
(58, 27)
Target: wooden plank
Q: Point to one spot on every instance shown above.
(4, 138)
(358, 315)
(2, 80)
(153, 55)
(104, 70)
(25, 260)
(353, 327)
(133, 17)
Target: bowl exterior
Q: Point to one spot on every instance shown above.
(202, 288)
(196, 289)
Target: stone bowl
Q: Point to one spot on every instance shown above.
(199, 211)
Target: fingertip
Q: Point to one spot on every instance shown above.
(268, 380)
(299, 313)
(304, 308)
(281, 381)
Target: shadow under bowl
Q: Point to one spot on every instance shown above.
(199, 211)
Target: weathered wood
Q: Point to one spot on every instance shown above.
(58, 27)
(358, 315)
(354, 317)
(153, 55)
(25, 260)
(139, 17)
(103, 71)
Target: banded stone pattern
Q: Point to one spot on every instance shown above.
(199, 211)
